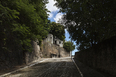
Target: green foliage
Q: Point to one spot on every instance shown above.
(22, 21)
(69, 46)
(89, 21)
(57, 30)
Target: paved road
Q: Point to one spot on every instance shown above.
(57, 67)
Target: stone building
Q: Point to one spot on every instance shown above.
(53, 47)
(49, 38)
(54, 40)
(57, 42)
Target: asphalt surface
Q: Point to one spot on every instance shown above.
(56, 67)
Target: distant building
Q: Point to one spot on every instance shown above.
(49, 38)
(57, 41)
(54, 40)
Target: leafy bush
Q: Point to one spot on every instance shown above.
(69, 46)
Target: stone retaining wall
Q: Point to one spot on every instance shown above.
(101, 56)
(15, 57)
(50, 50)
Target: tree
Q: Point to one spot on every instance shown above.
(69, 46)
(22, 21)
(57, 30)
(89, 21)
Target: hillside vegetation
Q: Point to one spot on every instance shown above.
(22, 21)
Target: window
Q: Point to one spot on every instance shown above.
(55, 42)
(59, 42)
(50, 37)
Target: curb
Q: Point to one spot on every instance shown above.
(77, 68)
(22, 68)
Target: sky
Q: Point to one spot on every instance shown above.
(54, 16)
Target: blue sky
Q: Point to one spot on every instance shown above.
(54, 16)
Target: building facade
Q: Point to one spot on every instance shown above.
(57, 42)
(49, 38)
(54, 40)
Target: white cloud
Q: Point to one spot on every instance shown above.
(57, 17)
(50, 14)
(50, 6)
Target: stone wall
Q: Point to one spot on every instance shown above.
(16, 56)
(101, 56)
(51, 50)
(35, 54)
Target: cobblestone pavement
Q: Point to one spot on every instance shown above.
(57, 67)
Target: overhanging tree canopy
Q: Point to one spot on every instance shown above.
(89, 21)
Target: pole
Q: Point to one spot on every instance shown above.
(71, 51)
(71, 54)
